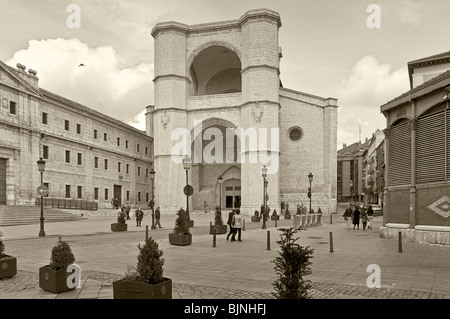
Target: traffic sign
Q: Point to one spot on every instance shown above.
(42, 190)
(188, 190)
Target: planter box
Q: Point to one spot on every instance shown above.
(127, 289)
(180, 240)
(220, 229)
(287, 216)
(8, 267)
(53, 280)
(256, 219)
(119, 227)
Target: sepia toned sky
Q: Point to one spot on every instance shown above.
(328, 50)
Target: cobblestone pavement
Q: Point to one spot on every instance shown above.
(234, 270)
(25, 285)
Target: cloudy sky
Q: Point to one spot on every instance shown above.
(328, 50)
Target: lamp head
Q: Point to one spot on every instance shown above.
(264, 171)
(310, 177)
(187, 162)
(41, 164)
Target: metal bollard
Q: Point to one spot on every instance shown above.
(275, 222)
(243, 224)
(210, 228)
(268, 240)
(214, 237)
(400, 250)
(331, 243)
(331, 219)
(146, 233)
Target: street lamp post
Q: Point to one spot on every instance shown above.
(41, 168)
(264, 175)
(187, 166)
(351, 189)
(310, 178)
(220, 179)
(152, 177)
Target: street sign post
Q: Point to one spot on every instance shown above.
(42, 190)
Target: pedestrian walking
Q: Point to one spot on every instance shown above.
(157, 217)
(237, 225)
(230, 222)
(139, 217)
(127, 210)
(356, 216)
(369, 217)
(348, 215)
(364, 218)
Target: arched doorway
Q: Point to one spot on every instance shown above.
(215, 156)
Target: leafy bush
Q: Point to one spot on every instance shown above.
(319, 211)
(2, 246)
(256, 213)
(274, 214)
(218, 217)
(121, 216)
(181, 223)
(62, 255)
(291, 266)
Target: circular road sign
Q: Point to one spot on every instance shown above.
(188, 190)
(42, 190)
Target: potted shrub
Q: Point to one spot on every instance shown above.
(218, 223)
(53, 277)
(8, 264)
(274, 215)
(120, 225)
(291, 267)
(146, 281)
(181, 235)
(287, 215)
(256, 217)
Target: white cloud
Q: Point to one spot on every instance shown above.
(103, 84)
(370, 85)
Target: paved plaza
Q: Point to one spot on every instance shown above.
(238, 270)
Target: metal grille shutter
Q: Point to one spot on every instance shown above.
(400, 155)
(430, 154)
(448, 145)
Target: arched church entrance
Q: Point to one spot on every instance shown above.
(214, 154)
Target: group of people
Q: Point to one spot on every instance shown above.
(139, 213)
(235, 223)
(354, 214)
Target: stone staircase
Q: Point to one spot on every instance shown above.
(27, 215)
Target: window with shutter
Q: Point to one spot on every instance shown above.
(430, 151)
(400, 154)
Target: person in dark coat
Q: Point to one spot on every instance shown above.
(348, 215)
(356, 215)
(139, 217)
(229, 222)
(237, 225)
(157, 217)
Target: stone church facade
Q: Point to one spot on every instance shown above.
(215, 78)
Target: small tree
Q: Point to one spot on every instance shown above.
(181, 225)
(61, 256)
(2, 246)
(291, 266)
(150, 263)
(218, 217)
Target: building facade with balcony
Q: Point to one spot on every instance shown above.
(90, 157)
(223, 77)
(417, 193)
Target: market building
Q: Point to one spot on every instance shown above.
(417, 192)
